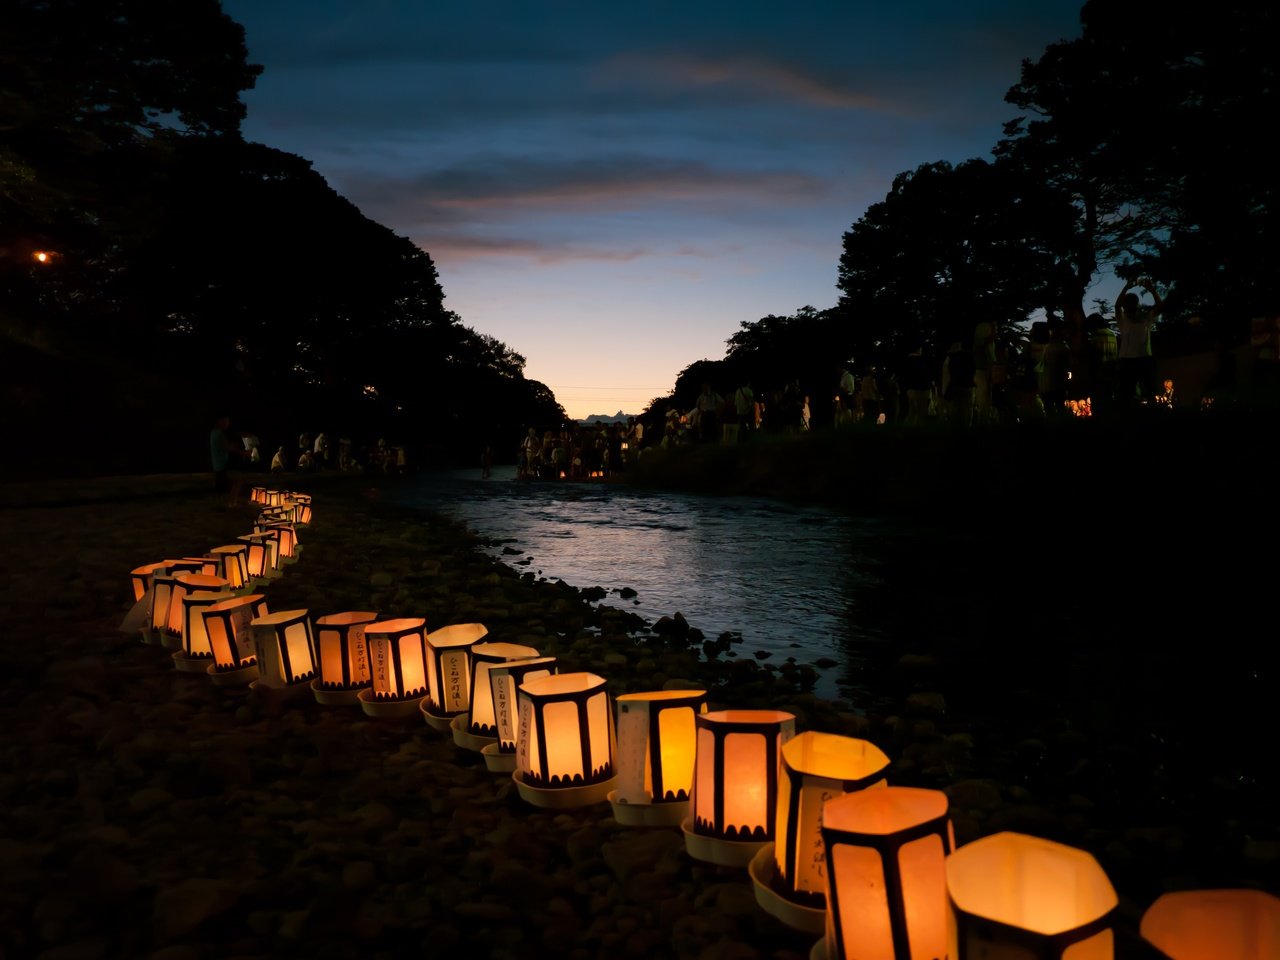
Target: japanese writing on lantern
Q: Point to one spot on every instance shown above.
(359, 656)
(454, 677)
(522, 740)
(241, 635)
(381, 678)
(502, 704)
(813, 876)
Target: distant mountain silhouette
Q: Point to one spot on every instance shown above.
(618, 417)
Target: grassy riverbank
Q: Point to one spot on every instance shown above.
(148, 813)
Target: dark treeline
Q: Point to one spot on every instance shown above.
(1140, 146)
(157, 270)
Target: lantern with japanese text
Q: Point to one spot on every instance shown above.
(449, 672)
(196, 653)
(233, 564)
(226, 623)
(1214, 925)
(565, 743)
(286, 652)
(1014, 894)
(397, 667)
(789, 875)
(478, 727)
(735, 784)
(885, 860)
(504, 680)
(657, 743)
(343, 653)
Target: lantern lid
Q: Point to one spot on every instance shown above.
(230, 548)
(834, 757)
(883, 811)
(1214, 924)
(502, 651)
(1029, 882)
(730, 717)
(347, 619)
(256, 536)
(402, 625)
(562, 683)
(282, 616)
(234, 602)
(457, 635)
(201, 581)
(204, 596)
(149, 568)
(651, 696)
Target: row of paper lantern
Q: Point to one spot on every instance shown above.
(830, 847)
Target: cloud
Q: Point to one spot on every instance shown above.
(461, 247)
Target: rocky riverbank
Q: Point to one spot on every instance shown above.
(148, 813)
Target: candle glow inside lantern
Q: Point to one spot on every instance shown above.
(504, 680)
(260, 558)
(286, 537)
(1214, 925)
(163, 582)
(183, 585)
(789, 875)
(657, 745)
(285, 649)
(196, 651)
(343, 653)
(735, 784)
(226, 623)
(233, 564)
(275, 497)
(565, 743)
(1011, 891)
(478, 727)
(258, 495)
(449, 672)
(398, 667)
(302, 509)
(885, 860)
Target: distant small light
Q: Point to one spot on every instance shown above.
(43, 256)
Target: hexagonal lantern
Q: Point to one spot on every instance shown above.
(657, 744)
(565, 744)
(735, 784)
(258, 495)
(449, 672)
(286, 537)
(885, 860)
(789, 875)
(261, 556)
(504, 680)
(183, 585)
(226, 623)
(140, 579)
(196, 652)
(1214, 925)
(139, 615)
(163, 582)
(344, 657)
(302, 509)
(285, 650)
(1011, 892)
(233, 564)
(478, 726)
(275, 498)
(398, 667)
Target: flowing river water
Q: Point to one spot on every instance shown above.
(787, 578)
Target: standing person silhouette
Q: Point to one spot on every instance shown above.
(1136, 372)
(222, 449)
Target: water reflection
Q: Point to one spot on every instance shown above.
(787, 578)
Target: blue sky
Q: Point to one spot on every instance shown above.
(611, 189)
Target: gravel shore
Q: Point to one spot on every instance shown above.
(150, 814)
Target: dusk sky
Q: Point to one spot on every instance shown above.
(612, 189)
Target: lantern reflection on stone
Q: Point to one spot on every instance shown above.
(196, 652)
(885, 859)
(789, 875)
(504, 680)
(226, 623)
(478, 727)
(657, 744)
(735, 784)
(343, 655)
(449, 672)
(233, 565)
(1011, 892)
(1214, 925)
(285, 650)
(565, 744)
(397, 667)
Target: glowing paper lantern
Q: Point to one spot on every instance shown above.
(285, 650)
(226, 623)
(1011, 891)
(302, 509)
(1214, 925)
(565, 744)
(139, 615)
(233, 564)
(735, 784)
(504, 680)
(449, 672)
(163, 582)
(344, 657)
(140, 578)
(260, 558)
(478, 727)
(657, 743)
(789, 875)
(196, 652)
(885, 861)
(275, 497)
(258, 495)
(183, 585)
(286, 536)
(398, 667)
